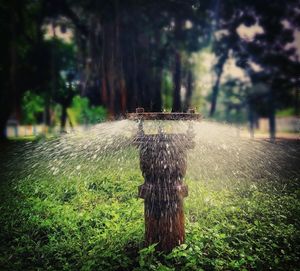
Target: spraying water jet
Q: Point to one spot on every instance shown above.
(163, 161)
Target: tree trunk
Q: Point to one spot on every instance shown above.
(114, 93)
(297, 103)
(215, 90)
(251, 121)
(3, 119)
(122, 99)
(13, 64)
(104, 91)
(157, 103)
(10, 99)
(189, 91)
(214, 96)
(272, 115)
(177, 83)
(137, 96)
(157, 67)
(109, 61)
(63, 119)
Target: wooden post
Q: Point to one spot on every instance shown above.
(163, 161)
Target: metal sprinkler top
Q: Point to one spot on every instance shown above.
(141, 115)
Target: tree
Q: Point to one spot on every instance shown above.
(32, 107)
(66, 87)
(268, 49)
(128, 44)
(20, 39)
(228, 16)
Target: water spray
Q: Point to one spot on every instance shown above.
(163, 161)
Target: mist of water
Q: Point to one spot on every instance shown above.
(218, 154)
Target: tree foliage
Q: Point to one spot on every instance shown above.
(125, 52)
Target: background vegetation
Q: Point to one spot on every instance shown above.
(158, 55)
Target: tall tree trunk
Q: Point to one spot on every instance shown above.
(145, 76)
(47, 111)
(157, 67)
(134, 100)
(137, 95)
(109, 65)
(176, 107)
(63, 118)
(49, 120)
(10, 99)
(297, 102)
(189, 91)
(251, 120)
(3, 119)
(113, 80)
(122, 99)
(272, 115)
(104, 90)
(13, 67)
(157, 100)
(216, 87)
(215, 92)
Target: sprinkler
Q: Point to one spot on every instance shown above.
(163, 162)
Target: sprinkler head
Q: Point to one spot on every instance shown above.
(163, 161)
(142, 115)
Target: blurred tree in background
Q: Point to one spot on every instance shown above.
(20, 55)
(83, 113)
(32, 108)
(123, 54)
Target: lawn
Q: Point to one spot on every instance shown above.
(93, 220)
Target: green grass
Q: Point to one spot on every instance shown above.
(288, 112)
(96, 223)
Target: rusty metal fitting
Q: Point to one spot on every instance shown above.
(141, 115)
